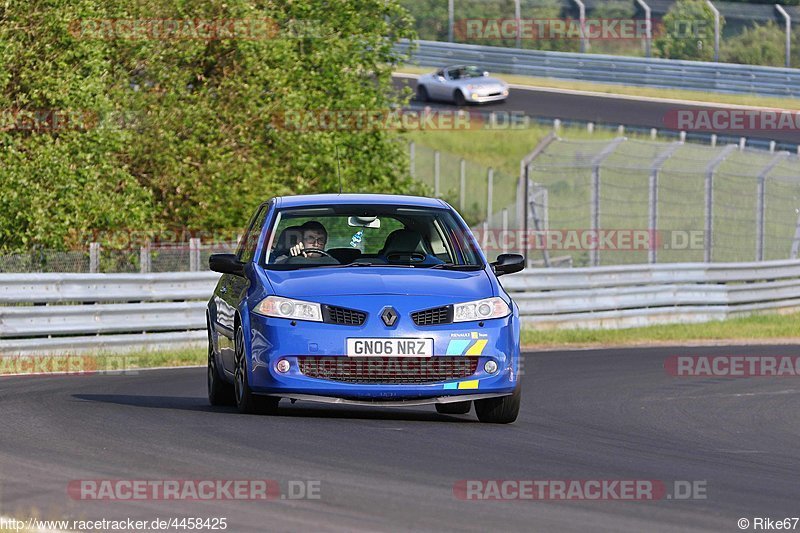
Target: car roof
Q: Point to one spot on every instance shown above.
(305, 200)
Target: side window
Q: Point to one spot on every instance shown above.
(247, 248)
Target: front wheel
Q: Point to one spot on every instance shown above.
(502, 410)
(246, 401)
(459, 99)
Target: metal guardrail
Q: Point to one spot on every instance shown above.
(75, 313)
(641, 72)
(641, 295)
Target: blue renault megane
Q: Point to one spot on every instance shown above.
(363, 299)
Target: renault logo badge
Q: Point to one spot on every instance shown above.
(389, 316)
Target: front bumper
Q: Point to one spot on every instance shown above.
(273, 339)
(482, 97)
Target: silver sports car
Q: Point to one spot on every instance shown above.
(461, 85)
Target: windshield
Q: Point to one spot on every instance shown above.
(460, 73)
(381, 236)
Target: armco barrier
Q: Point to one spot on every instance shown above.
(73, 313)
(641, 72)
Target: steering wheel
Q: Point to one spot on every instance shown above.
(414, 257)
(317, 251)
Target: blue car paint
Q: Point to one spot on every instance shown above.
(367, 289)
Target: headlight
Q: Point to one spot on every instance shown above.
(278, 307)
(481, 310)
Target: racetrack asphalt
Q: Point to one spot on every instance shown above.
(586, 414)
(608, 109)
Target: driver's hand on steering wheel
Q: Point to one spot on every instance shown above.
(300, 249)
(297, 249)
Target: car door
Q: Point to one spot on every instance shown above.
(233, 289)
(438, 87)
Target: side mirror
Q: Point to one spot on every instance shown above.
(508, 264)
(226, 264)
(485, 73)
(440, 79)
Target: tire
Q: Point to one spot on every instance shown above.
(246, 401)
(422, 94)
(458, 98)
(220, 392)
(503, 410)
(455, 408)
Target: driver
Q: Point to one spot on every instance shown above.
(315, 237)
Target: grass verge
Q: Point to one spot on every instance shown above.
(653, 92)
(756, 328)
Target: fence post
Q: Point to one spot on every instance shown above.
(504, 238)
(648, 27)
(788, 21)
(582, 20)
(708, 241)
(594, 253)
(194, 254)
(450, 20)
(523, 203)
(796, 240)
(94, 257)
(760, 203)
(655, 170)
(489, 193)
(518, 15)
(144, 258)
(412, 156)
(462, 186)
(436, 170)
(716, 29)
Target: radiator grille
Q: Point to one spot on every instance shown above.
(388, 370)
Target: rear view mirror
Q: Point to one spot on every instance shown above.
(508, 264)
(364, 222)
(226, 264)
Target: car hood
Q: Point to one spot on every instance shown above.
(320, 281)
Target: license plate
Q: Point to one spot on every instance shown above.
(365, 347)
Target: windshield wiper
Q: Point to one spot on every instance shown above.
(453, 266)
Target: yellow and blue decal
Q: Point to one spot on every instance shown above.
(468, 343)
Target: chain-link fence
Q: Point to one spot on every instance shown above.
(180, 257)
(634, 201)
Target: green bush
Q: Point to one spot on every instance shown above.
(186, 134)
(758, 45)
(687, 31)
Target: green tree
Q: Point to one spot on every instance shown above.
(187, 134)
(687, 31)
